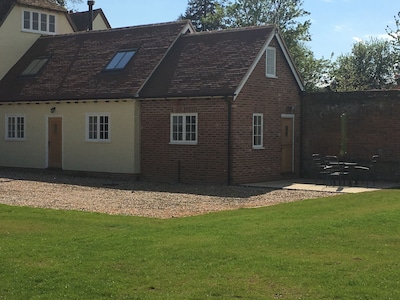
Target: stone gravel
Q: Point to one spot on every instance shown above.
(135, 198)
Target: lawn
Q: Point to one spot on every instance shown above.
(343, 247)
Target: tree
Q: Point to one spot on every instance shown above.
(395, 33)
(288, 16)
(371, 65)
(65, 2)
(205, 14)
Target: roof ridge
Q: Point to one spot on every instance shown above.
(110, 30)
(236, 29)
(44, 4)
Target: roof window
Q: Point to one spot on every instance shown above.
(35, 66)
(120, 60)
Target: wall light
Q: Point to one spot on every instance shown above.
(52, 110)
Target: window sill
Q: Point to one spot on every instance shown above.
(258, 148)
(183, 143)
(15, 140)
(99, 141)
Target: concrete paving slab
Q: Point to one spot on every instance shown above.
(304, 184)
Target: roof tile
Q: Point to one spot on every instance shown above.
(209, 63)
(75, 69)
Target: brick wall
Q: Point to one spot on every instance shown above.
(203, 163)
(207, 162)
(373, 122)
(272, 97)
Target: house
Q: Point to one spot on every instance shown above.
(157, 100)
(70, 102)
(22, 22)
(222, 107)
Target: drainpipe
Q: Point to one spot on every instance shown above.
(90, 4)
(229, 149)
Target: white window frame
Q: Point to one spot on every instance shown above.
(16, 131)
(270, 68)
(258, 131)
(98, 130)
(184, 134)
(43, 19)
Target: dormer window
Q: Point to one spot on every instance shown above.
(35, 66)
(120, 60)
(34, 21)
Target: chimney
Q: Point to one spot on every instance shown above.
(90, 3)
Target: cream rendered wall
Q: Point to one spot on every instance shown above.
(98, 23)
(29, 153)
(14, 42)
(120, 155)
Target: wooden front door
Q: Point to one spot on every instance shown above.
(55, 143)
(287, 145)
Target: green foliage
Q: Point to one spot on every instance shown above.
(64, 3)
(343, 247)
(371, 65)
(286, 15)
(205, 14)
(395, 33)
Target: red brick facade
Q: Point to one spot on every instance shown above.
(206, 162)
(273, 97)
(216, 159)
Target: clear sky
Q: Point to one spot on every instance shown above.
(336, 24)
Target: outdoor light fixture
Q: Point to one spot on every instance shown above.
(52, 110)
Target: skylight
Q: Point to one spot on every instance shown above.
(120, 60)
(35, 66)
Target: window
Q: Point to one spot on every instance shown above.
(35, 66)
(271, 62)
(120, 60)
(98, 127)
(184, 128)
(258, 131)
(38, 22)
(15, 127)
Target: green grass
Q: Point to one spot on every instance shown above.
(343, 247)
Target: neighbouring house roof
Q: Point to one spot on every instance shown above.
(7, 5)
(76, 64)
(208, 63)
(80, 20)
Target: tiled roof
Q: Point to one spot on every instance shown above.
(81, 19)
(76, 64)
(47, 4)
(209, 63)
(7, 5)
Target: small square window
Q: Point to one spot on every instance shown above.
(120, 60)
(35, 66)
(15, 128)
(98, 127)
(184, 128)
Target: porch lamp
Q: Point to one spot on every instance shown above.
(52, 110)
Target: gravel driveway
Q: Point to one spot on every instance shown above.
(122, 197)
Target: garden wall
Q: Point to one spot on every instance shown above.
(371, 125)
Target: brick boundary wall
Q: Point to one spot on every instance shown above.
(373, 127)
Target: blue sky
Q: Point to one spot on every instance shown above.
(336, 24)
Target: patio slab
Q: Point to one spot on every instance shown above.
(308, 185)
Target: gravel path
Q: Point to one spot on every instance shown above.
(122, 197)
